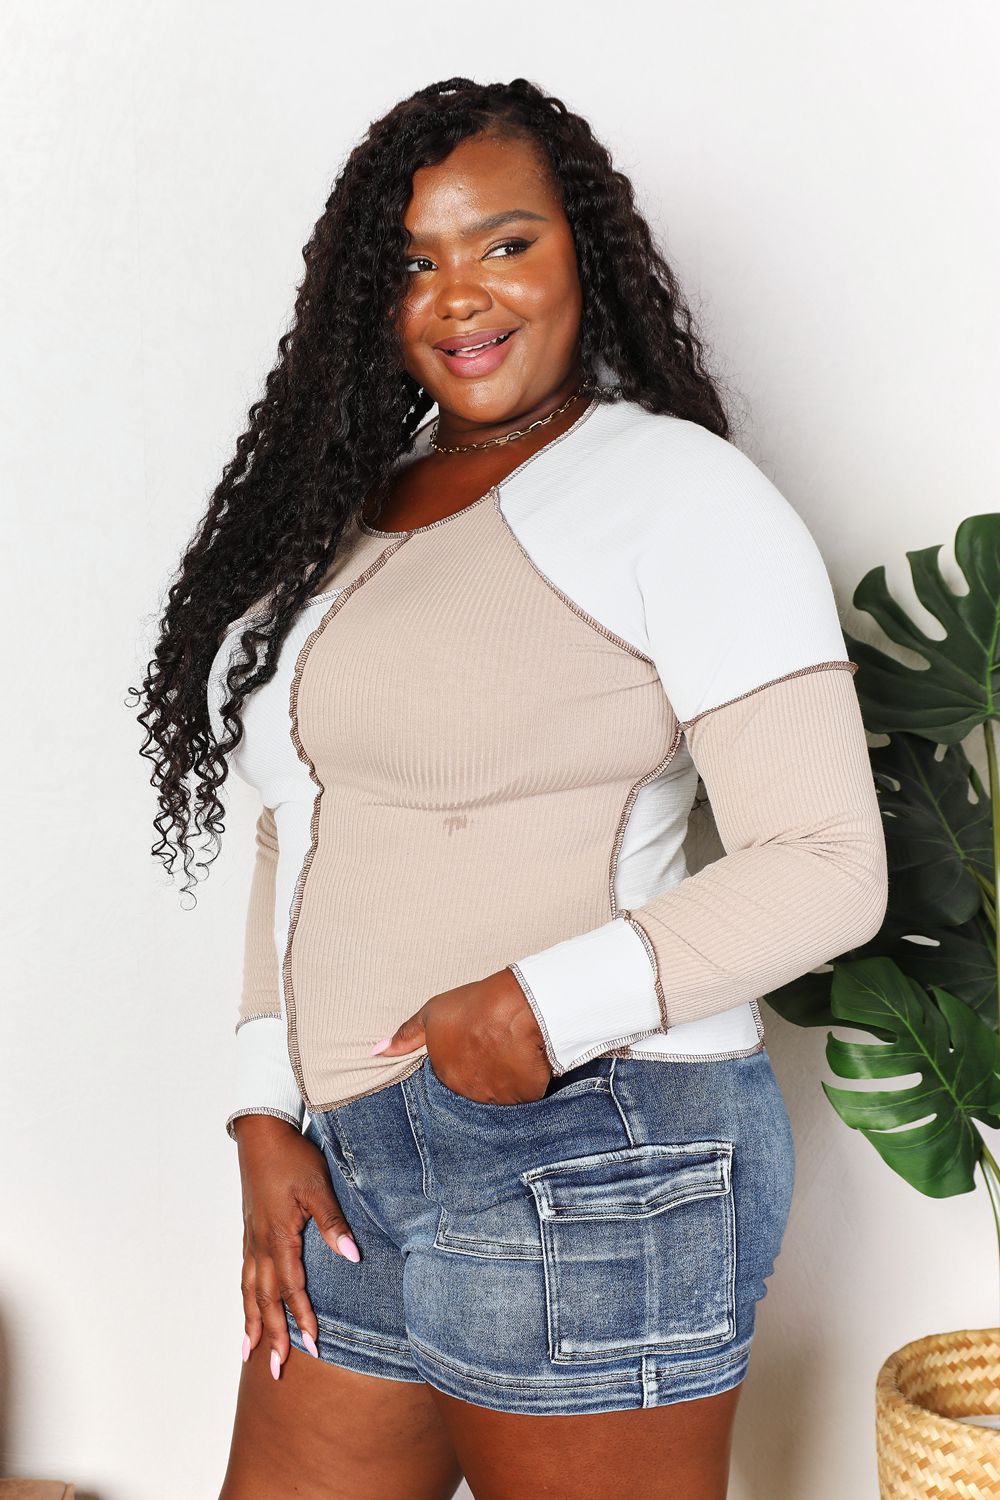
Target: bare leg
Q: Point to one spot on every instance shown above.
(324, 1433)
(675, 1452)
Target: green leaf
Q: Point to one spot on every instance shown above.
(804, 1001)
(937, 839)
(958, 689)
(937, 822)
(959, 959)
(955, 1054)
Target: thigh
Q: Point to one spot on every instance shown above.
(326, 1433)
(661, 1453)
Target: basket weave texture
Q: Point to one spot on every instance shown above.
(924, 1451)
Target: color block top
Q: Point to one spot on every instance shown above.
(481, 749)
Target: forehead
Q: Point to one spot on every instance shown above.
(482, 176)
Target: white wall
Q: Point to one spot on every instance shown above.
(823, 180)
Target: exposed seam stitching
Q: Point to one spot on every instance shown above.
(682, 726)
(643, 935)
(260, 1015)
(260, 1109)
(375, 1089)
(627, 809)
(758, 1019)
(692, 1057)
(603, 1049)
(543, 1028)
(415, 530)
(494, 489)
(286, 968)
(819, 666)
(588, 619)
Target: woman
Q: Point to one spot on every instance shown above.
(475, 667)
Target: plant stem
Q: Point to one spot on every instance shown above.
(991, 762)
(988, 897)
(991, 1176)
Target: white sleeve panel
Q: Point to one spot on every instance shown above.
(734, 590)
(265, 1083)
(715, 577)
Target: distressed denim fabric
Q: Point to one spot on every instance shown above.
(601, 1248)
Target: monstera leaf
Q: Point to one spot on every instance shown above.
(960, 687)
(939, 848)
(938, 1037)
(939, 843)
(925, 987)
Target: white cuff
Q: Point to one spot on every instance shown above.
(265, 1082)
(592, 992)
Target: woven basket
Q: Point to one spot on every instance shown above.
(924, 1451)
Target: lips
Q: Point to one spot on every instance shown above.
(470, 340)
(480, 354)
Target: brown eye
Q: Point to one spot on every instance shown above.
(518, 246)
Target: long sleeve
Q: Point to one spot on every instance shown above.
(745, 637)
(265, 1082)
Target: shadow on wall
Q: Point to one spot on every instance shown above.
(23, 1488)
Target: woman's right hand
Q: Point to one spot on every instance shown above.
(285, 1182)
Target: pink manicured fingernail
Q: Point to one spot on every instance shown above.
(348, 1247)
(310, 1344)
(380, 1046)
(275, 1363)
(246, 1347)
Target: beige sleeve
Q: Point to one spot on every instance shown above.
(804, 876)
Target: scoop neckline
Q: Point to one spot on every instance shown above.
(494, 490)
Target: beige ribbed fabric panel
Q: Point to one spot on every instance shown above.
(466, 766)
(260, 996)
(789, 780)
(467, 812)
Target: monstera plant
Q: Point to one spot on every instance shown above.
(927, 987)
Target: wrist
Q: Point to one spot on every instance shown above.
(255, 1127)
(514, 1009)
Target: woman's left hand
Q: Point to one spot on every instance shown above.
(482, 1039)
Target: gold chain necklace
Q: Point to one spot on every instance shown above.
(508, 436)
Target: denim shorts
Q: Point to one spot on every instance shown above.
(601, 1248)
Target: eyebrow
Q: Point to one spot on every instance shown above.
(492, 221)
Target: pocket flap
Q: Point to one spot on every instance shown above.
(631, 1183)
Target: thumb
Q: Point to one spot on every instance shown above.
(332, 1225)
(406, 1038)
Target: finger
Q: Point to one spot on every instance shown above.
(251, 1312)
(331, 1223)
(272, 1311)
(292, 1289)
(406, 1038)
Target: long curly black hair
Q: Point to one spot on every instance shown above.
(338, 410)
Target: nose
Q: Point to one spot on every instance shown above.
(461, 298)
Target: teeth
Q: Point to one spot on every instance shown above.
(474, 348)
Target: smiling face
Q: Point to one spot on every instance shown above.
(490, 252)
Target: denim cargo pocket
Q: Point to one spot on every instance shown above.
(638, 1250)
